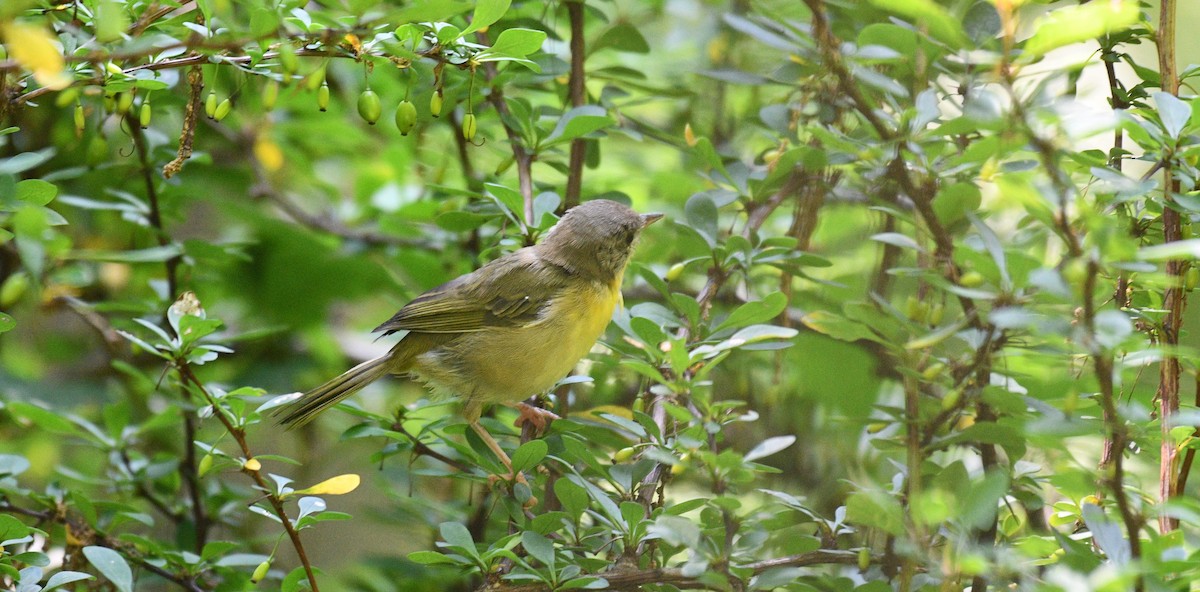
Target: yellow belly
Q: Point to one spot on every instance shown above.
(508, 364)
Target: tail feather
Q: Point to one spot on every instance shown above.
(304, 409)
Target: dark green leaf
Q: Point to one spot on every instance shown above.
(111, 565)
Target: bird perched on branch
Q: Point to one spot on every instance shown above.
(510, 329)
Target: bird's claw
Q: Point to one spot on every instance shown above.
(536, 416)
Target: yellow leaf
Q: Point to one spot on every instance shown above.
(33, 47)
(594, 412)
(268, 153)
(333, 486)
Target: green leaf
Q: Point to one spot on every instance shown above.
(45, 419)
(876, 509)
(11, 530)
(447, 34)
(24, 161)
(1107, 534)
(757, 311)
(675, 530)
(429, 558)
(837, 327)
(510, 202)
(461, 221)
(1078, 23)
(953, 202)
(980, 505)
(111, 565)
(928, 14)
(621, 37)
(513, 43)
(431, 11)
(1173, 112)
(574, 499)
(36, 192)
(770, 446)
(538, 546)
(1184, 249)
(486, 13)
(63, 578)
(701, 214)
(7, 323)
(577, 122)
(458, 536)
(148, 255)
(529, 455)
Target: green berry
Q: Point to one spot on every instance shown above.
(369, 106)
(270, 94)
(406, 117)
(468, 126)
(222, 110)
(435, 104)
(323, 97)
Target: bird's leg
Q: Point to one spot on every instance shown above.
(536, 416)
(498, 451)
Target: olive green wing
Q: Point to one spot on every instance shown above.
(509, 291)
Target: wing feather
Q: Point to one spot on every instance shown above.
(509, 291)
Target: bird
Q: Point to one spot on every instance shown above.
(509, 330)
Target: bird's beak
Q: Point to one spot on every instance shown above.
(648, 219)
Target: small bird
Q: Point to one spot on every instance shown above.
(508, 330)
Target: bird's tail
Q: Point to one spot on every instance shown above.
(304, 409)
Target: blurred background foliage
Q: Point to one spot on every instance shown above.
(917, 317)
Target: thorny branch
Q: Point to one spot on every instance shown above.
(239, 435)
(634, 578)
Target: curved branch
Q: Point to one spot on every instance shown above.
(633, 578)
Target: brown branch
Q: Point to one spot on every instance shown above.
(239, 435)
(264, 189)
(1112, 467)
(421, 449)
(144, 492)
(1173, 298)
(1185, 468)
(521, 154)
(195, 79)
(82, 532)
(632, 579)
(188, 469)
(578, 95)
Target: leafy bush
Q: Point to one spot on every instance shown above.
(917, 321)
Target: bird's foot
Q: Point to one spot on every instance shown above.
(536, 416)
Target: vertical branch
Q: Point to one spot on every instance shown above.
(912, 485)
(1168, 383)
(195, 79)
(1112, 469)
(521, 153)
(189, 470)
(578, 96)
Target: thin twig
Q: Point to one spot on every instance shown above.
(522, 157)
(239, 435)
